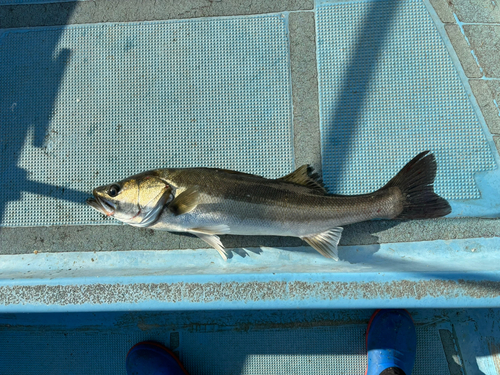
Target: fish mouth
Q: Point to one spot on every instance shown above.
(101, 205)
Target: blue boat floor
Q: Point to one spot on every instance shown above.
(450, 342)
(84, 86)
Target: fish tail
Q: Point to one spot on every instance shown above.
(415, 181)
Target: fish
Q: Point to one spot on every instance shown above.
(209, 202)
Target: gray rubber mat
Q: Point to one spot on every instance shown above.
(87, 105)
(26, 2)
(388, 91)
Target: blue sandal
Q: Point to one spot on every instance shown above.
(391, 343)
(152, 358)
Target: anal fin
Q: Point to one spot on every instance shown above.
(213, 241)
(326, 242)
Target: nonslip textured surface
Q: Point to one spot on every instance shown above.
(87, 105)
(298, 341)
(313, 351)
(27, 2)
(389, 90)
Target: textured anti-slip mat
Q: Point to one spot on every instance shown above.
(312, 351)
(26, 2)
(82, 106)
(388, 91)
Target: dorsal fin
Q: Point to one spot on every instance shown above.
(306, 176)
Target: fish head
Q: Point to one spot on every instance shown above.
(137, 200)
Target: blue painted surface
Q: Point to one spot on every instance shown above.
(467, 255)
(462, 273)
(389, 90)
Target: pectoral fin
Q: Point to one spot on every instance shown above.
(213, 241)
(185, 201)
(326, 242)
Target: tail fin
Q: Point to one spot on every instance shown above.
(415, 182)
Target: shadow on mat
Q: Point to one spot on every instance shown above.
(33, 74)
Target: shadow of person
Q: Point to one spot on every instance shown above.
(31, 79)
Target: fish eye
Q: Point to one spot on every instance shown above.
(113, 190)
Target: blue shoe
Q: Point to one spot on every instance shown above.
(152, 358)
(391, 343)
